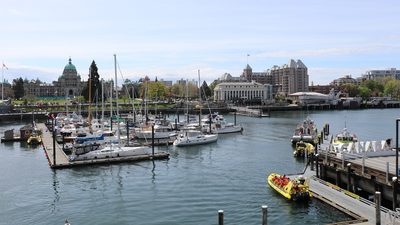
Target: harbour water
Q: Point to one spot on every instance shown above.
(189, 188)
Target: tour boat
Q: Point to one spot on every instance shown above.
(306, 132)
(303, 148)
(194, 137)
(296, 189)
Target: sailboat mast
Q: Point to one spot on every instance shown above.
(198, 73)
(102, 104)
(116, 97)
(90, 99)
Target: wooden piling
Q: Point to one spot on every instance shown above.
(152, 140)
(337, 177)
(377, 208)
(220, 217)
(394, 186)
(264, 209)
(317, 165)
(349, 176)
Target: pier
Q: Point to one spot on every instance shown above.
(350, 179)
(58, 159)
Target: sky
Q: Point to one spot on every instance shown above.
(173, 39)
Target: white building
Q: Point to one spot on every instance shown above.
(231, 91)
(373, 74)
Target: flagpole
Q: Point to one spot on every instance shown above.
(2, 82)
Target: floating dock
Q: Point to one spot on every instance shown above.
(61, 160)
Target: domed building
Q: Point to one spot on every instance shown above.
(68, 85)
(70, 81)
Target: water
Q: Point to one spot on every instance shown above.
(189, 188)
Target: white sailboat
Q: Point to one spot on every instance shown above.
(112, 150)
(194, 137)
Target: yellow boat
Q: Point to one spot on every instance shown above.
(296, 189)
(34, 139)
(303, 148)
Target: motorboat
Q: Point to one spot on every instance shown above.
(194, 137)
(342, 140)
(296, 189)
(34, 139)
(109, 151)
(219, 125)
(306, 132)
(303, 148)
(160, 132)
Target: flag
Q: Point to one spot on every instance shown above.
(4, 66)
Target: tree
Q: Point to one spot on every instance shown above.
(156, 90)
(365, 92)
(376, 87)
(351, 89)
(392, 88)
(205, 91)
(94, 82)
(18, 88)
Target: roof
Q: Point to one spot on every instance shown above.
(307, 94)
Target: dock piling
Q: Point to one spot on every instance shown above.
(152, 140)
(264, 209)
(394, 186)
(387, 172)
(338, 177)
(220, 217)
(317, 165)
(377, 208)
(349, 176)
(54, 143)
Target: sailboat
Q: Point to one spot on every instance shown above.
(112, 150)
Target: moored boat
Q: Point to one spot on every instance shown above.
(296, 189)
(34, 139)
(305, 131)
(342, 140)
(194, 137)
(303, 148)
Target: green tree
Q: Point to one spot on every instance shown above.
(392, 88)
(156, 90)
(365, 92)
(94, 82)
(18, 88)
(376, 87)
(351, 89)
(205, 91)
(212, 86)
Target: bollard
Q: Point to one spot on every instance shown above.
(220, 217)
(377, 208)
(394, 186)
(264, 209)
(349, 176)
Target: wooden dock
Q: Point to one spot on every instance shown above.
(62, 160)
(361, 210)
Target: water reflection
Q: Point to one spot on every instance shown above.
(153, 176)
(55, 189)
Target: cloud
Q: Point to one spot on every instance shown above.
(328, 52)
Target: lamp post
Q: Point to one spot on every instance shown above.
(397, 148)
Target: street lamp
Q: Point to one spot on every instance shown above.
(397, 148)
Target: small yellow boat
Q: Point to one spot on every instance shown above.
(303, 148)
(296, 189)
(34, 139)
